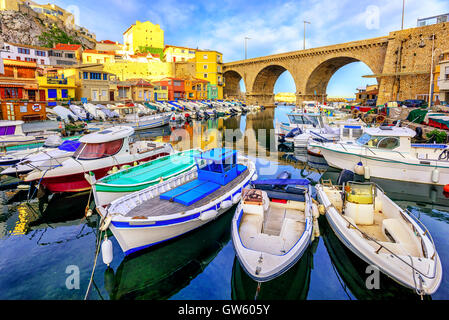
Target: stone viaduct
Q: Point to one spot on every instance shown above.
(401, 63)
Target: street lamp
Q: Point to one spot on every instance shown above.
(304, 40)
(246, 38)
(403, 7)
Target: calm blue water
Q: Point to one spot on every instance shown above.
(41, 240)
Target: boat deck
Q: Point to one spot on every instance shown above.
(158, 207)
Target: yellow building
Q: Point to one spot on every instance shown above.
(142, 36)
(285, 97)
(57, 86)
(209, 66)
(178, 54)
(152, 69)
(96, 56)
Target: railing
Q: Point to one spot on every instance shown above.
(56, 81)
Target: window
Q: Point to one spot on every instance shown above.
(177, 83)
(23, 50)
(378, 141)
(94, 95)
(105, 76)
(205, 56)
(95, 76)
(85, 75)
(40, 53)
(52, 94)
(205, 75)
(42, 61)
(11, 93)
(89, 151)
(104, 93)
(205, 66)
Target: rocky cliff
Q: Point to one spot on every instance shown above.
(24, 28)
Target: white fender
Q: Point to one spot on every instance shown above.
(236, 198)
(106, 251)
(435, 175)
(207, 215)
(367, 174)
(226, 204)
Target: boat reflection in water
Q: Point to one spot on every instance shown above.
(161, 271)
(292, 285)
(355, 274)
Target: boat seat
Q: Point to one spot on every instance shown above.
(251, 225)
(291, 231)
(402, 236)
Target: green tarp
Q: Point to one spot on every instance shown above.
(417, 115)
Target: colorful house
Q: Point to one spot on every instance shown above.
(160, 91)
(144, 37)
(57, 87)
(24, 52)
(178, 54)
(175, 87)
(63, 54)
(93, 83)
(209, 66)
(18, 81)
(96, 56)
(196, 89)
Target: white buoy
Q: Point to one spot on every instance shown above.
(106, 251)
(367, 173)
(435, 175)
(207, 215)
(359, 169)
(236, 198)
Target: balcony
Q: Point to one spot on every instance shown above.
(56, 81)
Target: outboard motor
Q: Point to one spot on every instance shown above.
(345, 176)
(419, 133)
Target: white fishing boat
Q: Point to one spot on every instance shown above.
(147, 122)
(179, 204)
(98, 153)
(387, 153)
(270, 235)
(382, 234)
(11, 133)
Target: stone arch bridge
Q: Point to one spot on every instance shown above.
(400, 62)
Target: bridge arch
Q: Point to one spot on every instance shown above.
(320, 74)
(262, 90)
(232, 80)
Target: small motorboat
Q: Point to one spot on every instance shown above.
(98, 153)
(147, 174)
(271, 234)
(180, 204)
(387, 152)
(382, 234)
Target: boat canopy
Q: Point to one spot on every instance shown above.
(390, 131)
(218, 165)
(109, 134)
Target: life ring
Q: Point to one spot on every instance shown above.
(36, 107)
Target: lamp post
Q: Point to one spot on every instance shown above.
(246, 38)
(304, 40)
(403, 7)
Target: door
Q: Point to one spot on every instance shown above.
(111, 95)
(41, 95)
(94, 95)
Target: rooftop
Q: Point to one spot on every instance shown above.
(65, 46)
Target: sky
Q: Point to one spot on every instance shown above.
(274, 26)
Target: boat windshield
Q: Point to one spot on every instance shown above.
(7, 130)
(378, 141)
(305, 119)
(90, 151)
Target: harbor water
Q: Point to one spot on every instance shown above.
(47, 245)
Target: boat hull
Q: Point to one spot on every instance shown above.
(137, 234)
(386, 169)
(385, 263)
(277, 264)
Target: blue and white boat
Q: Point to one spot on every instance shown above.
(179, 204)
(270, 232)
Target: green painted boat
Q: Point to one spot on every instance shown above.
(139, 177)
